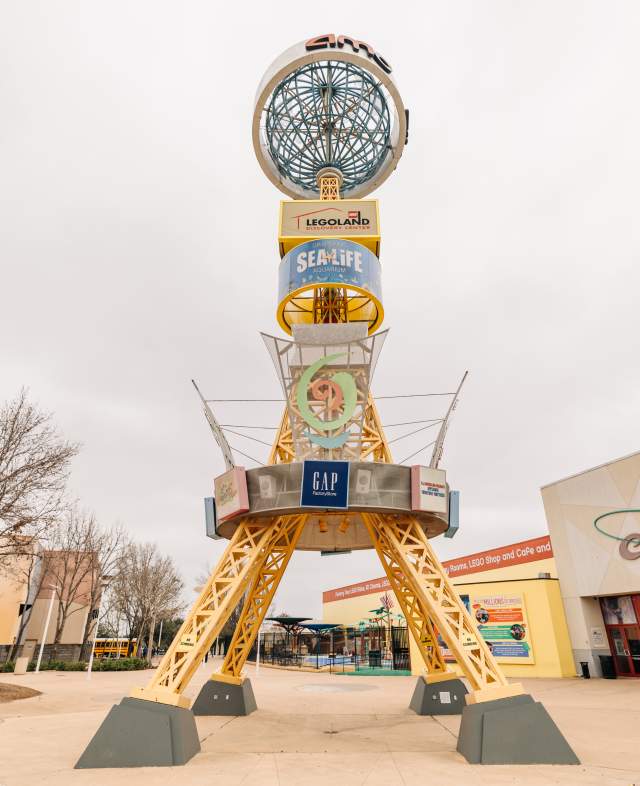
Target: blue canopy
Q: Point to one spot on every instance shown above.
(320, 627)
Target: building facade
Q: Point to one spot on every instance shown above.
(27, 591)
(512, 592)
(554, 605)
(594, 523)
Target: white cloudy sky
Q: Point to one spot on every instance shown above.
(137, 242)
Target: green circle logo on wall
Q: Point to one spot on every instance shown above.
(339, 393)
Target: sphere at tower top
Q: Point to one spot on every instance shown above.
(329, 103)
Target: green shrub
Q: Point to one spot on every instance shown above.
(99, 664)
(58, 665)
(119, 664)
(73, 665)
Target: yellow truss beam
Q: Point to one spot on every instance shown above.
(263, 588)
(374, 441)
(248, 547)
(283, 451)
(422, 586)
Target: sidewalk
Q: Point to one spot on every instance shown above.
(314, 729)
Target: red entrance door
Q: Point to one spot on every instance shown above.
(625, 647)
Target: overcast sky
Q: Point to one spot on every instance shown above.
(138, 247)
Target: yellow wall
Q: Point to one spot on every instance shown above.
(548, 631)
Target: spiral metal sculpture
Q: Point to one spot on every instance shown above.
(328, 114)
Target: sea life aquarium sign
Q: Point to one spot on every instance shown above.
(325, 262)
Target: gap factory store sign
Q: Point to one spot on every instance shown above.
(325, 484)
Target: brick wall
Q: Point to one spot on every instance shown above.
(66, 652)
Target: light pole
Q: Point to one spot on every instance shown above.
(159, 645)
(104, 583)
(258, 652)
(55, 588)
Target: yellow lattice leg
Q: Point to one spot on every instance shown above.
(417, 576)
(250, 542)
(259, 596)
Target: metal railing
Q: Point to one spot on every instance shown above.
(343, 650)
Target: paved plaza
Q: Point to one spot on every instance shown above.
(314, 729)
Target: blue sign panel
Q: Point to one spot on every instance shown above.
(210, 518)
(325, 484)
(454, 514)
(326, 261)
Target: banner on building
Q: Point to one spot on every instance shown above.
(502, 623)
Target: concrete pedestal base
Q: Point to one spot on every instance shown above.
(516, 730)
(138, 733)
(438, 698)
(221, 698)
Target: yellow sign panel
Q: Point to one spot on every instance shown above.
(350, 219)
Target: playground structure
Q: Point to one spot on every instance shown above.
(329, 127)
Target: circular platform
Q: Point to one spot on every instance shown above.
(373, 488)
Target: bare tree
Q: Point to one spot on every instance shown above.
(70, 565)
(80, 553)
(107, 545)
(34, 467)
(146, 588)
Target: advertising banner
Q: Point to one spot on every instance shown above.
(502, 623)
(504, 557)
(325, 484)
(232, 497)
(351, 219)
(323, 262)
(428, 489)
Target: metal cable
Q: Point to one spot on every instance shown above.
(419, 451)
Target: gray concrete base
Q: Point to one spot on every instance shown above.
(221, 698)
(138, 733)
(516, 730)
(439, 698)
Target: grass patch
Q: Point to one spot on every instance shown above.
(15, 692)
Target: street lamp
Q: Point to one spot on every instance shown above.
(104, 583)
(46, 624)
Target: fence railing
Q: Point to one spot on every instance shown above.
(340, 650)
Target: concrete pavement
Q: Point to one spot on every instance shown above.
(314, 729)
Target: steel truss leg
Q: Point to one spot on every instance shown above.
(425, 593)
(251, 542)
(258, 599)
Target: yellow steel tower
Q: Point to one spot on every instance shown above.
(329, 127)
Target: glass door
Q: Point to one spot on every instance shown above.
(619, 651)
(625, 647)
(632, 633)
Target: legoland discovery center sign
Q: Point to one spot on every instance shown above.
(329, 262)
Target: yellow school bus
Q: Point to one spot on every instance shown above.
(114, 648)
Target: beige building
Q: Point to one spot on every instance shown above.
(594, 523)
(26, 588)
(567, 599)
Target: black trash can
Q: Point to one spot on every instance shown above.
(608, 669)
(375, 659)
